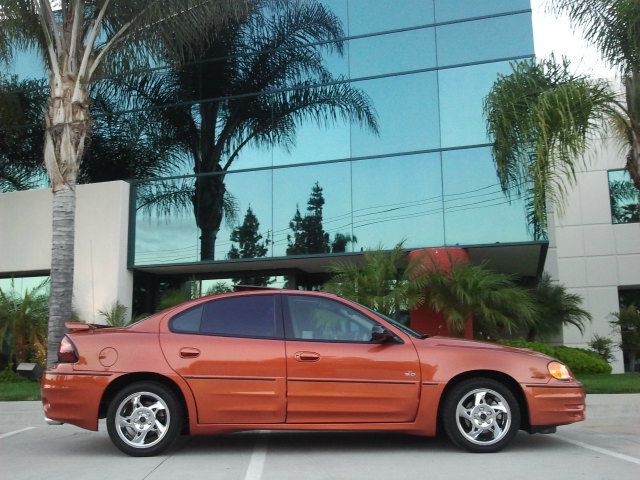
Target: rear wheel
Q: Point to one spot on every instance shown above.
(481, 415)
(144, 419)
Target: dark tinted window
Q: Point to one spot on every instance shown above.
(313, 318)
(187, 321)
(248, 316)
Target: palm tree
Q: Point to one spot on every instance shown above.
(627, 322)
(80, 42)
(496, 303)
(556, 308)
(21, 133)
(23, 323)
(267, 79)
(385, 282)
(380, 282)
(541, 117)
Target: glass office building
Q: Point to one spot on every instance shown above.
(425, 177)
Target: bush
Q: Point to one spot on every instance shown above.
(579, 360)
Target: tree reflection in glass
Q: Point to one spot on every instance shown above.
(268, 79)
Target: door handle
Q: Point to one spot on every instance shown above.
(307, 356)
(188, 352)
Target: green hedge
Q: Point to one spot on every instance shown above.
(579, 360)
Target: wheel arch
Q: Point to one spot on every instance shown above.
(128, 378)
(501, 377)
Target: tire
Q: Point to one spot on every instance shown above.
(481, 415)
(144, 419)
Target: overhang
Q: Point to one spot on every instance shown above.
(525, 259)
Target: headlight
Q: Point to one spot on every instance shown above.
(559, 370)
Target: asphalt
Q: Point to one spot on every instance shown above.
(605, 446)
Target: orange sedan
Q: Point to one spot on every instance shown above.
(279, 360)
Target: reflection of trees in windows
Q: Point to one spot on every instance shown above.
(307, 232)
(624, 198)
(268, 79)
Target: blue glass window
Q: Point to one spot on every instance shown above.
(369, 16)
(447, 10)
(292, 188)
(489, 39)
(407, 107)
(396, 199)
(392, 52)
(462, 93)
(624, 197)
(476, 209)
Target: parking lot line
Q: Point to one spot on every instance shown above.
(15, 432)
(259, 455)
(601, 450)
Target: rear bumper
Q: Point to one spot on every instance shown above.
(72, 397)
(555, 404)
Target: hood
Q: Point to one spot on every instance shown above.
(477, 345)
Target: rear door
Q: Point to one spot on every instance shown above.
(336, 374)
(231, 352)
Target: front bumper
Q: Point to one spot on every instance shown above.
(72, 397)
(555, 404)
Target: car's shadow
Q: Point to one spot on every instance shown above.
(306, 443)
(341, 442)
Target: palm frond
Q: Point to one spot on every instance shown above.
(541, 118)
(613, 26)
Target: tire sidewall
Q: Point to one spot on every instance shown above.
(449, 416)
(175, 411)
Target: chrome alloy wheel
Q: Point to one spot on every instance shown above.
(142, 419)
(483, 416)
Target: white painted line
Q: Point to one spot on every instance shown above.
(259, 455)
(603, 451)
(15, 432)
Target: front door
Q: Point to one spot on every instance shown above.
(232, 354)
(336, 374)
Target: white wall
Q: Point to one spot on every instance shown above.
(101, 276)
(587, 253)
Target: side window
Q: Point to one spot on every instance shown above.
(187, 321)
(246, 316)
(314, 318)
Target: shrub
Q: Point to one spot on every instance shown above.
(603, 346)
(579, 360)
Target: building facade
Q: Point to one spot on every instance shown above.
(593, 244)
(416, 168)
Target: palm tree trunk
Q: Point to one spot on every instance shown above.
(208, 244)
(62, 266)
(67, 127)
(208, 206)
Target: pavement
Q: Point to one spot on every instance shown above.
(605, 446)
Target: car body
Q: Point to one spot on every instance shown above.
(279, 359)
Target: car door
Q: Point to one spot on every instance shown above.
(231, 353)
(336, 374)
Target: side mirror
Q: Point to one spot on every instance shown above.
(380, 334)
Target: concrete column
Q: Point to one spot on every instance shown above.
(101, 277)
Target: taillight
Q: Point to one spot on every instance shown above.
(67, 351)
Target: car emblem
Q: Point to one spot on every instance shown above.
(409, 373)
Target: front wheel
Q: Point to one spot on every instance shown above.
(481, 415)
(144, 419)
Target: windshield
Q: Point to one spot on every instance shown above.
(396, 323)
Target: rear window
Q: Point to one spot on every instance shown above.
(187, 321)
(248, 316)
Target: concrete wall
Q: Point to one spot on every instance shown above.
(101, 276)
(587, 253)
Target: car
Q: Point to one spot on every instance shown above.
(291, 360)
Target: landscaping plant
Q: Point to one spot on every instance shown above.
(627, 322)
(23, 324)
